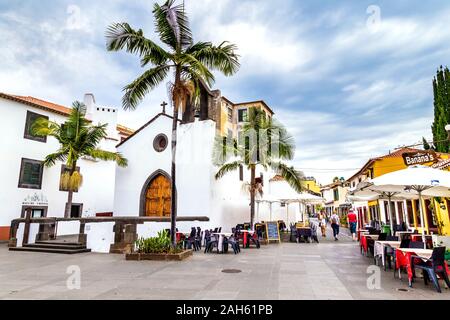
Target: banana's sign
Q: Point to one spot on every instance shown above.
(419, 157)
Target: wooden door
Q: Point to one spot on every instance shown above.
(158, 197)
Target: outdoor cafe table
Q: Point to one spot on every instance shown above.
(363, 240)
(245, 240)
(418, 237)
(402, 234)
(380, 245)
(403, 259)
(361, 232)
(304, 232)
(221, 235)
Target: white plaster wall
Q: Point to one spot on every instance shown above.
(67, 228)
(19, 234)
(96, 193)
(100, 236)
(34, 229)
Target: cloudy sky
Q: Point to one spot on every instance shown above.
(350, 79)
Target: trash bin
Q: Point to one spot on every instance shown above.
(386, 229)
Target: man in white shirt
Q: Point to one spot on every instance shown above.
(335, 225)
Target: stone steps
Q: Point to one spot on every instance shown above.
(50, 250)
(62, 246)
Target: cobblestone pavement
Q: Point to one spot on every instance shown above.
(327, 270)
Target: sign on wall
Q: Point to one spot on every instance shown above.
(419, 157)
(35, 200)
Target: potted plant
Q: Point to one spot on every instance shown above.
(157, 248)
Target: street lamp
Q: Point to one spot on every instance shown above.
(447, 128)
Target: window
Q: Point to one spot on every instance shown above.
(230, 114)
(160, 142)
(336, 194)
(28, 134)
(242, 115)
(241, 173)
(36, 211)
(76, 210)
(30, 174)
(65, 169)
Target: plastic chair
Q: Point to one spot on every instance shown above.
(211, 241)
(432, 267)
(403, 244)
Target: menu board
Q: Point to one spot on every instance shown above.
(272, 231)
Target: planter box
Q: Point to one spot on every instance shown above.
(158, 256)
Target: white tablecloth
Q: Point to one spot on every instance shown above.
(380, 245)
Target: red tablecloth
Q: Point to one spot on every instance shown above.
(403, 260)
(179, 236)
(363, 242)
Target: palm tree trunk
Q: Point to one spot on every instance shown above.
(173, 206)
(252, 195)
(70, 194)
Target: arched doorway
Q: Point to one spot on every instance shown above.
(157, 197)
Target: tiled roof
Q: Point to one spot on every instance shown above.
(398, 153)
(53, 107)
(124, 130)
(38, 103)
(277, 177)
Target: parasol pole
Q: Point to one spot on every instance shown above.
(270, 210)
(390, 212)
(287, 212)
(257, 210)
(419, 191)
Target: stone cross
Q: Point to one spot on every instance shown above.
(164, 104)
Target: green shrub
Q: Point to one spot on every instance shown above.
(159, 244)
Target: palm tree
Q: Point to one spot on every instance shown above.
(191, 63)
(77, 138)
(266, 144)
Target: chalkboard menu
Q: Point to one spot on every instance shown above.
(272, 231)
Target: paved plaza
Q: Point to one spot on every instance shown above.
(328, 270)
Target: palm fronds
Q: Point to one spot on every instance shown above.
(109, 156)
(228, 167)
(290, 175)
(121, 36)
(172, 25)
(136, 91)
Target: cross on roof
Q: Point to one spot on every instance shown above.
(164, 104)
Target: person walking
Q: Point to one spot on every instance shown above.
(351, 219)
(335, 225)
(323, 224)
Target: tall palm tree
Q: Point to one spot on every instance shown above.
(77, 138)
(191, 63)
(266, 143)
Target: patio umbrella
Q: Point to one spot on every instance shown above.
(364, 193)
(268, 199)
(425, 181)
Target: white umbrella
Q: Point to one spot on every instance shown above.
(425, 181)
(269, 199)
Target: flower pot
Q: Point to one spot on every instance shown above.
(136, 256)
